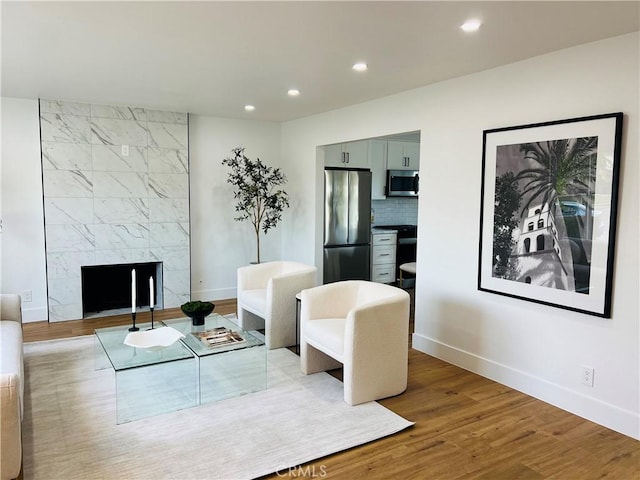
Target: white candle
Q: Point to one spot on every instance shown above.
(151, 296)
(133, 291)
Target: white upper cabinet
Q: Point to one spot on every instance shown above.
(378, 165)
(347, 155)
(403, 155)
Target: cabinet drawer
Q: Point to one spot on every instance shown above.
(382, 254)
(383, 273)
(384, 239)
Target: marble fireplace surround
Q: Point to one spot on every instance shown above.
(116, 191)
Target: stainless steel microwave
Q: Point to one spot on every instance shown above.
(402, 183)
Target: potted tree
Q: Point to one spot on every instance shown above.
(258, 195)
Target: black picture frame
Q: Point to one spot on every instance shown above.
(548, 212)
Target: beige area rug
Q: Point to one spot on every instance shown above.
(70, 429)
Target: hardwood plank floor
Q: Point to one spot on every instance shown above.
(467, 427)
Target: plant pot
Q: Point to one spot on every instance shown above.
(197, 311)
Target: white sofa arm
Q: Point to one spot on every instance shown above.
(11, 307)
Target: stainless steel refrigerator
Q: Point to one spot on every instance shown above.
(347, 224)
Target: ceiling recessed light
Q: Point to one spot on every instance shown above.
(471, 25)
(360, 67)
(249, 108)
(293, 92)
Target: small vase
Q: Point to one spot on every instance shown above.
(197, 320)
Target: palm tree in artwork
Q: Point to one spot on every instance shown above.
(564, 173)
(563, 168)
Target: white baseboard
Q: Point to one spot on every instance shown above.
(38, 314)
(593, 409)
(214, 294)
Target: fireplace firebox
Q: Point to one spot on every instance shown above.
(106, 289)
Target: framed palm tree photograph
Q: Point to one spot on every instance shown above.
(548, 212)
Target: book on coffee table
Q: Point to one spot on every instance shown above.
(219, 336)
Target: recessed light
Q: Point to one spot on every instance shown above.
(360, 67)
(293, 92)
(249, 108)
(471, 25)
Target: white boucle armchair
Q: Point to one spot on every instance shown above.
(267, 298)
(365, 327)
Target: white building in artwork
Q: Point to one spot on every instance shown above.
(539, 253)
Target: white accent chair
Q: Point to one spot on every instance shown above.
(11, 385)
(267, 298)
(363, 326)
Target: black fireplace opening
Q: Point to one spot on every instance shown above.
(106, 289)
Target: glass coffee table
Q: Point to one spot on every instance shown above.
(148, 381)
(194, 370)
(227, 365)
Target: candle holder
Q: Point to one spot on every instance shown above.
(151, 308)
(133, 328)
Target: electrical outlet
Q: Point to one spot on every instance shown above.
(125, 150)
(27, 296)
(587, 375)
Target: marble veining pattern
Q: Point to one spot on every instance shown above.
(167, 135)
(109, 158)
(68, 211)
(66, 156)
(167, 160)
(168, 209)
(60, 128)
(67, 183)
(116, 190)
(169, 185)
(123, 113)
(69, 108)
(168, 234)
(63, 265)
(69, 238)
(121, 210)
(113, 237)
(121, 185)
(113, 131)
(123, 255)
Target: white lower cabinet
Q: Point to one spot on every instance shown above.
(383, 257)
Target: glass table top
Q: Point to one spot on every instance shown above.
(200, 339)
(124, 357)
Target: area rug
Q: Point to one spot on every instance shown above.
(70, 429)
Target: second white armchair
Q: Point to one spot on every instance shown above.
(267, 298)
(363, 327)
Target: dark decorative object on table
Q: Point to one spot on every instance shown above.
(197, 310)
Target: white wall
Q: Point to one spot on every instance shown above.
(219, 244)
(534, 348)
(22, 264)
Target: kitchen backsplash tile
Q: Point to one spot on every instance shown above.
(395, 211)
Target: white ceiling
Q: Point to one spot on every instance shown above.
(214, 57)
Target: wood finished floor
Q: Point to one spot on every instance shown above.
(467, 427)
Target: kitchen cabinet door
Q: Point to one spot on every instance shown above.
(347, 155)
(403, 155)
(378, 165)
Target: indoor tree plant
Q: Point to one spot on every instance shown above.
(258, 195)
